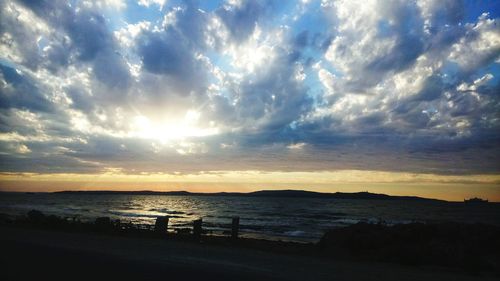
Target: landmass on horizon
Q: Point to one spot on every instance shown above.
(288, 193)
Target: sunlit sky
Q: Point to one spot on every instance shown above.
(396, 97)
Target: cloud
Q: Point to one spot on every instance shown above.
(166, 54)
(241, 17)
(396, 73)
(148, 3)
(18, 90)
(479, 46)
(164, 86)
(82, 34)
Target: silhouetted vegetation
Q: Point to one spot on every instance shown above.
(472, 247)
(469, 247)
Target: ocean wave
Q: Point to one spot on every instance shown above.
(258, 216)
(76, 209)
(347, 221)
(167, 211)
(138, 214)
(295, 233)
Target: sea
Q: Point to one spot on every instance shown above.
(274, 218)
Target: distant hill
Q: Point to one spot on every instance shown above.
(336, 195)
(262, 193)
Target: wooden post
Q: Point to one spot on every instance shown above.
(235, 226)
(161, 225)
(197, 229)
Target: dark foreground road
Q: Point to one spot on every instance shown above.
(32, 254)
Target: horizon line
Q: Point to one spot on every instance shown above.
(234, 192)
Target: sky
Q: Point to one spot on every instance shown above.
(398, 97)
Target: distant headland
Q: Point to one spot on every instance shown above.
(262, 193)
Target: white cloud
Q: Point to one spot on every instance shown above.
(105, 4)
(127, 34)
(481, 43)
(147, 3)
(299, 145)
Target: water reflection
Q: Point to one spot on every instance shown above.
(272, 218)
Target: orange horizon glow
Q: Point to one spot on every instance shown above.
(445, 187)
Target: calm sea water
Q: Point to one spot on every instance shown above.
(271, 218)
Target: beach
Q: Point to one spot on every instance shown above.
(32, 253)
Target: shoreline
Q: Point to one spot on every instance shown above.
(59, 254)
(356, 251)
(291, 219)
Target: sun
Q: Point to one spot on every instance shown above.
(171, 129)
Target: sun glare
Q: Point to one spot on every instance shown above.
(170, 129)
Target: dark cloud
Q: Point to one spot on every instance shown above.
(112, 70)
(89, 33)
(21, 91)
(57, 54)
(172, 50)
(165, 54)
(81, 99)
(432, 89)
(445, 13)
(241, 20)
(20, 36)
(91, 40)
(406, 29)
(42, 164)
(302, 39)
(269, 100)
